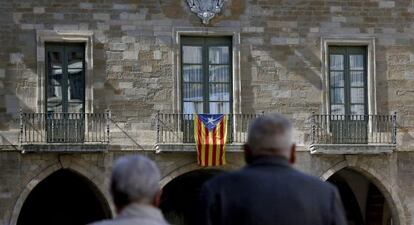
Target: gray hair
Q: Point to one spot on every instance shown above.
(270, 133)
(134, 179)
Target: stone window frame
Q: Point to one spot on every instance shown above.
(53, 36)
(369, 43)
(207, 32)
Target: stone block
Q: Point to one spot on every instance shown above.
(130, 55)
(58, 16)
(124, 6)
(118, 46)
(116, 68)
(66, 27)
(255, 40)
(278, 41)
(86, 5)
(386, 4)
(102, 26)
(314, 29)
(101, 16)
(98, 85)
(334, 9)
(292, 41)
(17, 17)
(340, 19)
(157, 55)
(125, 85)
(128, 39)
(16, 58)
(12, 104)
(26, 26)
(253, 29)
(128, 27)
(38, 10)
(146, 68)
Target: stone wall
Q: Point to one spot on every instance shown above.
(134, 75)
(22, 172)
(134, 45)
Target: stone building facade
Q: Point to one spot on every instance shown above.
(283, 56)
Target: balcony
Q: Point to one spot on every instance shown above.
(353, 134)
(64, 131)
(175, 132)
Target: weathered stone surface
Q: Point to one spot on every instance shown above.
(134, 75)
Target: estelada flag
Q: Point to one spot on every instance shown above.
(210, 134)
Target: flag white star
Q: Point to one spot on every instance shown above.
(210, 120)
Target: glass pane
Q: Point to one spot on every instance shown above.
(193, 107)
(219, 92)
(54, 107)
(193, 92)
(337, 109)
(54, 81)
(75, 107)
(357, 109)
(192, 73)
(357, 78)
(336, 62)
(192, 54)
(54, 92)
(357, 95)
(356, 62)
(337, 96)
(219, 107)
(75, 59)
(337, 79)
(218, 55)
(219, 73)
(76, 84)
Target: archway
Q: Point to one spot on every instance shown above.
(180, 196)
(363, 201)
(64, 197)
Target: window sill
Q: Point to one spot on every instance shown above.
(351, 149)
(191, 147)
(65, 147)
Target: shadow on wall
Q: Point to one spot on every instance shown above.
(19, 93)
(279, 73)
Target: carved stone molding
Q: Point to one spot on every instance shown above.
(205, 9)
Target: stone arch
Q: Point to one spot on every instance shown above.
(77, 167)
(390, 195)
(191, 167)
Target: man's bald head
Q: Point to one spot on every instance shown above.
(270, 134)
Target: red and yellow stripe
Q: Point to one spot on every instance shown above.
(211, 145)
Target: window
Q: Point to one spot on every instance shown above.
(348, 94)
(348, 78)
(65, 78)
(206, 75)
(65, 92)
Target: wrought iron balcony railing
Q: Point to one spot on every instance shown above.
(176, 128)
(354, 129)
(42, 128)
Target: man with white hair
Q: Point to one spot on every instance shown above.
(136, 192)
(268, 191)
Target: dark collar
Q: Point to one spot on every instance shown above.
(270, 160)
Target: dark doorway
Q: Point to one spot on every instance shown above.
(64, 198)
(180, 197)
(363, 202)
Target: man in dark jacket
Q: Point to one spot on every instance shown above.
(268, 191)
